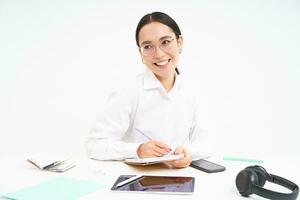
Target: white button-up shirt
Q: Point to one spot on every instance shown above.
(145, 111)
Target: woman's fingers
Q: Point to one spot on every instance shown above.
(184, 162)
(161, 145)
(157, 149)
(179, 150)
(153, 149)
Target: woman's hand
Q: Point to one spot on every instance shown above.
(153, 148)
(184, 162)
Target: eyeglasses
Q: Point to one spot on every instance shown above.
(149, 48)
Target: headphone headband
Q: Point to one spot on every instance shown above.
(284, 182)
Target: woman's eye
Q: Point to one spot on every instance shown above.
(147, 47)
(165, 42)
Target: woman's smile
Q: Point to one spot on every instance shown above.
(162, 63)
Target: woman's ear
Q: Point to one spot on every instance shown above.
(180, 43)
(141, 56)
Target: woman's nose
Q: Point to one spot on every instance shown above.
(158, 52)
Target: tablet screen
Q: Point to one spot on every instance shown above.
(157, 184)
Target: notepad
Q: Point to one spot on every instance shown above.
(153, 160)
(61, 188)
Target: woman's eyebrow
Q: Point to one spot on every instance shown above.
(160, 39)
(145, 42)
(165, 37)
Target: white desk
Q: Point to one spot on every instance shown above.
(16, 173)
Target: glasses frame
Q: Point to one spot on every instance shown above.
(165, 49)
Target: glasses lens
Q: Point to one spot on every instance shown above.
(164, 45)
(147, 49)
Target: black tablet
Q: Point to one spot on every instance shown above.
(156, 184)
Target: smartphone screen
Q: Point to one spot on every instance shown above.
(207, 166)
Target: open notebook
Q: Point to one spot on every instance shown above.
(52, 163)
(153, 160)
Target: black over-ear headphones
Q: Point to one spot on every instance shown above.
(252, 179)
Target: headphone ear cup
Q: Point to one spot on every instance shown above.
(245, 180)
(261, 174)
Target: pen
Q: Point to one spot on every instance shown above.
(129, 180)
(51, 165)
(149, 138)
(141, 132)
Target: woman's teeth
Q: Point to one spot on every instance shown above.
(162, 63)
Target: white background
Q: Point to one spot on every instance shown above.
(60, 59)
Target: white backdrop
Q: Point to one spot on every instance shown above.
(60, 59)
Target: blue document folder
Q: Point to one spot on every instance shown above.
(61, 188)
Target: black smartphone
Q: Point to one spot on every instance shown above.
(207, 166)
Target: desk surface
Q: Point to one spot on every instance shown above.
(16, 173)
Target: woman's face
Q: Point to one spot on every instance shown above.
(159, 49)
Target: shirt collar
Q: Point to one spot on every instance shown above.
(151, 82)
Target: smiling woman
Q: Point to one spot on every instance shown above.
(156, 115)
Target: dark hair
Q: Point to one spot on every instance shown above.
(157, 17)
(161, 18)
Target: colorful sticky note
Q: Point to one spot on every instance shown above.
(61, 188)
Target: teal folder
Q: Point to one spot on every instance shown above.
(61, 188)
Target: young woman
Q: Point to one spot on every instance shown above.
(156, 114)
